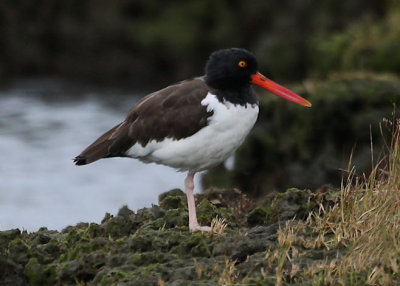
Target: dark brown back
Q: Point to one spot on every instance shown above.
(174, 112)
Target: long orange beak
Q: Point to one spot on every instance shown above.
(277, 89)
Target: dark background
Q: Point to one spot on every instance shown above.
(153, 42)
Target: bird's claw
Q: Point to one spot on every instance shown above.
(199, 228)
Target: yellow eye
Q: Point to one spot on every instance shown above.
(242, 64)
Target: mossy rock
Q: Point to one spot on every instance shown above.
(11, 273)
(159, 248)
(206, 212)
(7, 236)
(173, 202)
(259, 216)
(38, 274)
(83, 269)
(293, 203)
(173, 193)
(19, 251)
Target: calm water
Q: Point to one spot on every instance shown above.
(43, 125)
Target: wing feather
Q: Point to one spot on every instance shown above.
(174, 112)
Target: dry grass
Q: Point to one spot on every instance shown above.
(218, 226)
(228, 275)
(367, 219)
(364, 224)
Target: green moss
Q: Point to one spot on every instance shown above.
(206, 212)
(136, 258)
(146, 258)
(107, 217)
(82, 269)
(111, 277)
(50, 251)
(259, 216)
(84, 246)
(84, 254)
(142, 240)
(38, 274)
(19, 251)
(173, 202)
(118, 226)
(75, 235)
(173, 193)
(176, 218)
(94, 230)
(7, 236)
(292, 203)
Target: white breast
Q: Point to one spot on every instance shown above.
(211, 145)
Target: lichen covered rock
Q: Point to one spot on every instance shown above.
(154, 245)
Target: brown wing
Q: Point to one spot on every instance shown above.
(174, 112)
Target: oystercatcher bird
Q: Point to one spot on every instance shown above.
(195, 124)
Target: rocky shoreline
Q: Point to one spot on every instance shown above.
(153, 246)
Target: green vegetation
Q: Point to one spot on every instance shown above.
(152, 43)
(365, 45)
(154, 244)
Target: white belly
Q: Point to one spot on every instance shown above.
(211, 145)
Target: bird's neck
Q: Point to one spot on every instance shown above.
(242, 95)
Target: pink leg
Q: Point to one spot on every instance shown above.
(193, 224)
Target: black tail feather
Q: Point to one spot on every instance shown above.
(108, 145)
(80, 160)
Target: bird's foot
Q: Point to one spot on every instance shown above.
(199, 228)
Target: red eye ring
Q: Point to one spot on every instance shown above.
(242, 64)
